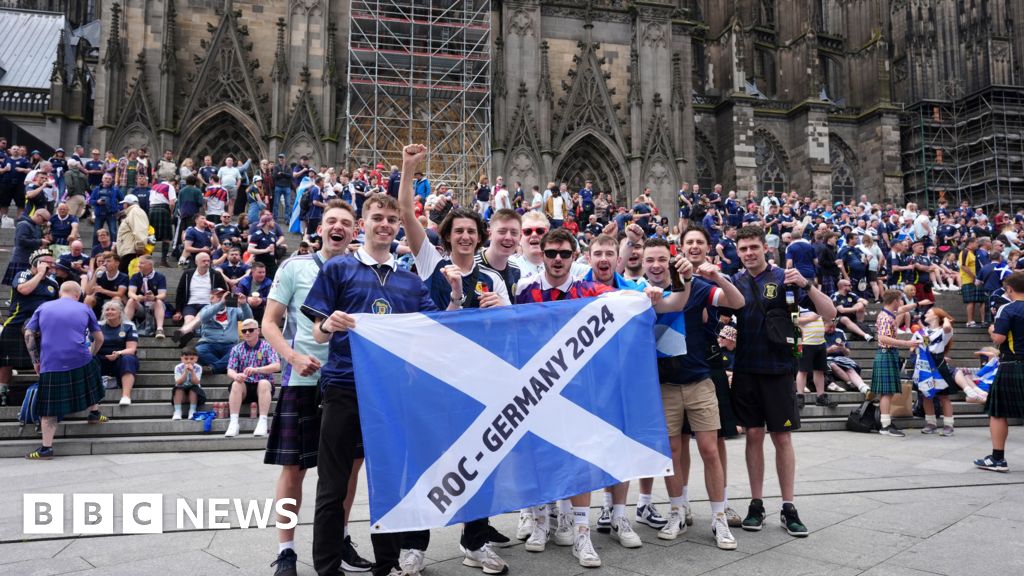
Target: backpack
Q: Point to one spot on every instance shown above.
(864, 418)
(29, 412)
(305, 202)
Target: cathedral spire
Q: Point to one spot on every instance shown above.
(114, 57)
(545, 91)
(170, 42)
(330, 68)
(279, 72)
(60, 68)
(634, 97)
(498, 88)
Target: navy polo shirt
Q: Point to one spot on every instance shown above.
(154, 285)
(116, 338)
(199, 238)
(754, 353)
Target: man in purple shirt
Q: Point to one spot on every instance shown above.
(69, 376)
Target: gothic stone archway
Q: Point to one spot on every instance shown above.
(219, 135)
(590, 159)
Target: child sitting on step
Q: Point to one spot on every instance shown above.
(186, 380)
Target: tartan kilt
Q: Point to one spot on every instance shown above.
(70, 391)
(295, 434)
(1006, 396)
(13, 352)
(973, 294)
(13, 269)
(885, 372)
(160, 220)
(828, 284)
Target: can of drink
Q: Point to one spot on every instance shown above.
(222, 410)
(253, 409)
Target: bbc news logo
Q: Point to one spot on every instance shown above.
(144, 513)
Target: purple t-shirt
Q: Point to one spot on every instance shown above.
(64, 325)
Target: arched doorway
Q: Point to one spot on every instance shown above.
(219, 135)
(590, 159)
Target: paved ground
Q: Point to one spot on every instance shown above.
(875, 506)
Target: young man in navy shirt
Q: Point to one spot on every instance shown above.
(764, 375)
(367, 281)
(801, 254)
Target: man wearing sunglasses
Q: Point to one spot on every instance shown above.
(251, 367)
(556, 282)
(530, 260)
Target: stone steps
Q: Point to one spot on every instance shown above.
(193, 441)
(115, 427)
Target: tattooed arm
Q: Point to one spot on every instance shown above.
(32, 345)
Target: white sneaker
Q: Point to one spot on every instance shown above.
(525, 527)
(541, 533)
(411, 561)
(232, 429)
(733, 518)
(125, 401)
(723, 536)
(648, 514)
(676, 525)
(583, 549)
(176, 416)
(623, 530)
(485, 559)
(688, 515)
(191, 413)
(564, 535)
(261, 428)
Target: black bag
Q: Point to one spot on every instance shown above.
(865, 418)
(778, 323)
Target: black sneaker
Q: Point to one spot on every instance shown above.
(755, 516)
(824, 401)
(495, 538)
(891, 430)
(182, 338)
(285, 563)
(351, 561)
(41, 453)
(800, 402)
(791, 521)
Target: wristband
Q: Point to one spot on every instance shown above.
(320, 327)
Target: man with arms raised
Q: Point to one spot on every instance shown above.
(764, 374)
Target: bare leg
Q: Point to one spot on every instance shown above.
(289, 485)
(755, 461)
(785, 463)
(127, 382)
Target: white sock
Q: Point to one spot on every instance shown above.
(725, 496)
(886, 420)
(565, 506)
(717, 507)
(643, 500)
(686, 496)
(864, 388)
(234, 419)
(282, 546)
(933, 420)
(177, 409)
(345, 533)
(581, 517)
(948, 421)
(192, 408)
(263, 418)
(677, 502)
(607, 499)
(618, 511)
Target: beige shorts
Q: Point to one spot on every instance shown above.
(696, 402)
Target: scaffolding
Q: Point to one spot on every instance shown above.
(971, 148)
(420, 71)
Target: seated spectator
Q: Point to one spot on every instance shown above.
(117, 355)
(199, 239)
(218, 325)
(844, 369)
(187, 376)
(850, 309)
(103, 243)
(63, 226)
(75, 259)
(194, 289)
(263, 243)
(234, 269)
(255, 287)
(251, 368)
(108, 283)
(911, 311)
(147, 293)
(227, 232)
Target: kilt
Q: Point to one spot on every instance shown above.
(13, 269)
(160, 220)
(295, 434)
(923, 291)
(71, 391)
(828, 284)
(973, 294)
(13, 352)
(885, 372)
(1006, 396)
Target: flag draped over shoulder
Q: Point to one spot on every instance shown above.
(926, 373)
(294, 223)
(474, 413)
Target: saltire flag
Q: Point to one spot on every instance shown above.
(294, 223)
(479, 412)
(926, 373)
(670, 334)
(987, 374)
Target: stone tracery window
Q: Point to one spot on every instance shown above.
(844, 184)
(771, 164)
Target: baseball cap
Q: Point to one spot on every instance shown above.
(130, 199)
(218, 291)
(257, 178)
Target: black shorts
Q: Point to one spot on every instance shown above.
(252, 392)
(13, 353)
(191, 309)
(814, 358)
(11, 192)
(765, 400)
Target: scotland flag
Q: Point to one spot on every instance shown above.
(987, 374)
(475, 413)
(926, 374)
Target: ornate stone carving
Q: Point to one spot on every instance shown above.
(654, 35)
(545, 91)
(520, 23)
(771, 161)
(498, 87)
(114, 56)
(60, 66)
(279, 71)
(657, 139)
(136, 123)
(588, 101)
(304, 120)
(522, 132)
(169, 44)
(304, 6)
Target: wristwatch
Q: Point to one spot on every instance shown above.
(462, 300)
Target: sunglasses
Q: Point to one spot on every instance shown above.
(248, 330)
(563, 254)
(532, 231)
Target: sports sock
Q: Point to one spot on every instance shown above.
(717, 507)
(643, 500)
(177, 408)
(725, 496)
(933, 420)
(886, 420)
(263, 418)
(565, 506)
(192, 408)
(686, 496)
(618, 511)
(998, 454)
(677, 501)
(581, 516)
(607, 499)
(234, 418)
(948, 421)
(282, 546)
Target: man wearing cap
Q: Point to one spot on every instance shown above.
(31, 288)
(133, 233)
(282, 189)
(60, 166)
(219, 327)
(254, 198)
(251, 367)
